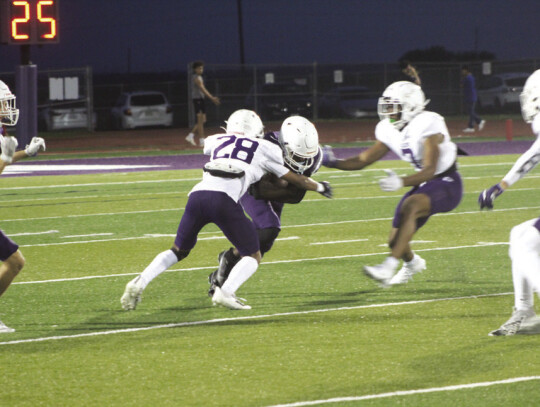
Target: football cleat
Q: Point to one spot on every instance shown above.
(530, 326)
(132, 294)
(513, 325)
(4, 329)
(382, 273)
(404, 275)
(190, 138)
(228, 301)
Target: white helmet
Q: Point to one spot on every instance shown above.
(300, 142)
(9, 114)
(401, 97)
(245, 123)
(530, 97)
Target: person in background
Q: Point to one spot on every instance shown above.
(10, 255)
(410, 72)
(198, 93)
(469, 98)
(525, 237)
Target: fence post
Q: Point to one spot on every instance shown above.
(315, 112)
(89, 100)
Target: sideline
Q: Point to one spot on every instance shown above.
(409, 392)
(246, 318)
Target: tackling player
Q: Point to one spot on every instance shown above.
(525, 237)
(264, 203)
(422, 139)
(10, 255)
(237, 159)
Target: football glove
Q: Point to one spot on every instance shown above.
(327, 191)
(328, 158)
(36, 144)
(391, 182)
(487, 196)
(8, 145)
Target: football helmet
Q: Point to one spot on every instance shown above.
(401, 102)
(245, 123)
(9, 114)
(530, 97)
(300, 143)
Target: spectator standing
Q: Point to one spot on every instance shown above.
(470, 97)
(410, 72)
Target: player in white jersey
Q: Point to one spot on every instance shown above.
(525, 237)
(422, 139)
(237, 159)
(10, 255)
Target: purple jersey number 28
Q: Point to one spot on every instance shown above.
(244, 148)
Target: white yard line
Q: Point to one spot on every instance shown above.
(244, 318)
(409, 392)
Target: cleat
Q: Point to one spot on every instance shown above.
(4, 329)
(228, 301)
(530, 326)
(382, 273)
(132, 295)
(481, 125)
(201, 142)
(404, 275)
(468, 130)
(191, 139)
(212, 280)
(513, 325)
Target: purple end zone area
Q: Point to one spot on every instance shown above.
(194, 161)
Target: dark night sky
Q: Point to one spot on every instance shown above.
(165, 35)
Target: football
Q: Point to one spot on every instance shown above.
(273, 180)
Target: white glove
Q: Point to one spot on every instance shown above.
(392, 182)
(8, 145)
(36, 144)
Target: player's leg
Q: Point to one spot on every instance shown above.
(525, 255)
(12, 263)
(412, 263)
(190, 225)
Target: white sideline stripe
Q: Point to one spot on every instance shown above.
(483, 244)
(409, 392)
(245, 318)
(339, 241)
(46, 232)
(92, 234)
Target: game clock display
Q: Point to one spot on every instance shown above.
(29, 22)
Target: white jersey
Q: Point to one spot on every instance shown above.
(529, 159)
(408, 144)
(255, 157)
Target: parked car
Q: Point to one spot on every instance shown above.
(142, 108)
(501, 90)
(349, 101)
(280, 100)
(60, 118)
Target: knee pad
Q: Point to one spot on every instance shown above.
(180, 254)
(267, 237)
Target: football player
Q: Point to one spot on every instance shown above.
(525, 237)
(420, 138)
(237, 159)
(10, 255)
(264, 202)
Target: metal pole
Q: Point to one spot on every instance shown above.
(89, 100)
(240, 31)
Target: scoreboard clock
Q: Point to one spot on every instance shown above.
(29, 22)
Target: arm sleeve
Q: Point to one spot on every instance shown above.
(524, 164)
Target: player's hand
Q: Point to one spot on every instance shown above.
(391, 182)
(327, 191)
(487, 196)
(36, 144)
(8, 144)
(328, 158)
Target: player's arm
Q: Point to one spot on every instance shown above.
(307, 183)
(271, 188)
(429, 162)
(199, 83)
(357, 162)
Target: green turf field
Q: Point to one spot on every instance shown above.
(318, 330)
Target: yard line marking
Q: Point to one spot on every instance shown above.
(339, 241)
(267, 262)
(47, 232)
(409, 392)
(93, 234)
(244, 318)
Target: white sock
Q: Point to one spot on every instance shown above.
(240, 273)
(161, 262)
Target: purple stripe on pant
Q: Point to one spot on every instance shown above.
(205, 207)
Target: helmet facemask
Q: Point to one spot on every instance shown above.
(9, 114)
(400, 103)
(391, 109)
(300, 143)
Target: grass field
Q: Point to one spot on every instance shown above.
(318, 330)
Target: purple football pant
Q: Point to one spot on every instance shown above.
(7, 246)
(445, 194)
(264, 214)
(537, 224)
(204, 207)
